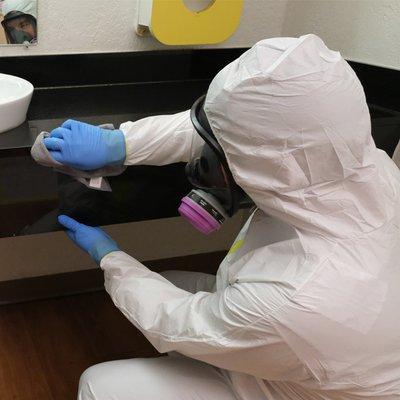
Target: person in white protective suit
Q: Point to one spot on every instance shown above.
(305, 305)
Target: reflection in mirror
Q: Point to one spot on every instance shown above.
(18, 22)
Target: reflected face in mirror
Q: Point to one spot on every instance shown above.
(20, 29)
(18, 19)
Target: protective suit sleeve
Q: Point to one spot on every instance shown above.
(161, 140)
(221, 328)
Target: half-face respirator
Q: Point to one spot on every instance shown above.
(216, 195)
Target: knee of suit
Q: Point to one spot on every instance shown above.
(87, 383)
(122, 379)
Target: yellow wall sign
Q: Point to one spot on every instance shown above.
(173, 23)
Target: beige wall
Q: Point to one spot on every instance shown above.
(91, 26)
(362, 30)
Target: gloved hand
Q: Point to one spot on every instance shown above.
(92, 240)
(86, 147)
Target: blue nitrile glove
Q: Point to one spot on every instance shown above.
(86, 147)
(92, 240)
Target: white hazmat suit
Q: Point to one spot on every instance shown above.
(305, 305)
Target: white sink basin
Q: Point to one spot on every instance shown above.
(15, 96)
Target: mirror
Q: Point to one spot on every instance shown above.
(18, 20)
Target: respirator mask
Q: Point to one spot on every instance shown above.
(216, 195)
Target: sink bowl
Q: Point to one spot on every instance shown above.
(15, 96)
